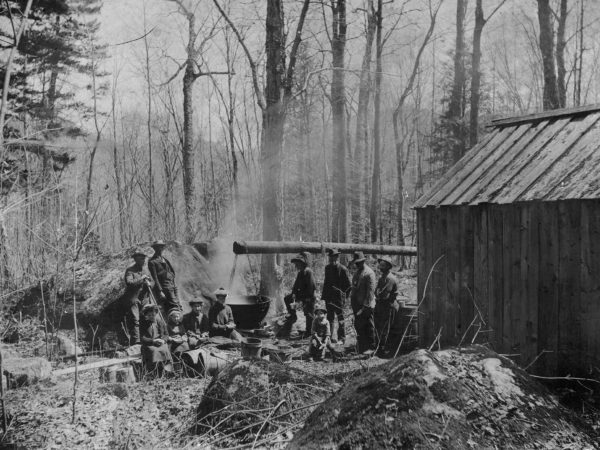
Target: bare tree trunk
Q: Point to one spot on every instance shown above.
(376, 179)
(361, 138)
(456, 107)
(338, 104)
(551, 98)
(189, 176)
(579, 58)
(476, 74)
(120, 200)
(149, 128)
(561, 44)
(272, 141)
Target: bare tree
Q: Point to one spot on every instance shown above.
(338, 106)
(273, 104)
(551, 97)
(376, 178)
(361, 137)
(192, 71)
(480, 22)
(561, 44)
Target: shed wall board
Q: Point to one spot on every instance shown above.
(523, 277)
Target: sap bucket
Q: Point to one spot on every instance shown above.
(207, 362)
(251, 348)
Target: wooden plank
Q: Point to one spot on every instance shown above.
(512, 163)
(480, 270)
(495, 275)
(452, 326)
(489, 142)
(478, 167)
(511, 268)
(590, 284)
(581, 181)
(545, 115)
(424, 245)
(548, 289)
(548, 156)
(466, 288)
(97, 365)
(531, 285)
(569, 285)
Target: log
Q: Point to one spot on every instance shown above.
(97, 365)
(267, 247)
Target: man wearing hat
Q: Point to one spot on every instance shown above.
(220, 318)
(303, 291)
(386, 308)
(137, 288)
(164, 278)
(362, 299)
(196, 323)
(336, 287)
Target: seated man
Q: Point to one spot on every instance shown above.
(196, 324)
(155, 352)
(178, 339)
(220, 318)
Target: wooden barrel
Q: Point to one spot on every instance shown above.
(207, 362)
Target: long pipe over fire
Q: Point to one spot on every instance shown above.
(264, 247)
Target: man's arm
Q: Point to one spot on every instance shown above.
(133, 279)
(152, 269)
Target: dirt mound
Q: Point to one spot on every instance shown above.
(253, 398)
(449, 399)
(99, 285)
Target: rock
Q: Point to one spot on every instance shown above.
(65, 346)
(469, 398)
(244, 393)
(24, 371)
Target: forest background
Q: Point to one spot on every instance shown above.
(127, 121)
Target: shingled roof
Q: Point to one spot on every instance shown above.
(548, 156)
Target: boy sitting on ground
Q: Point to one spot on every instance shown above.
(320, 339)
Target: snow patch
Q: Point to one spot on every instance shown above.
(502, 378)
(432, 372)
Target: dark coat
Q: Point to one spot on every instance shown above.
(196, 324)
(162, 272)
(135, 287)
(219, 316)
(336, 283)
(150, 331)
(304, 287)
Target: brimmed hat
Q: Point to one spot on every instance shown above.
(138, 252)
(333, 252)
(220, 291)
(358, 257)
(149, 307)
(196, 301)
(320, 306)
(159, 243)
(386, 259)
(300, 258)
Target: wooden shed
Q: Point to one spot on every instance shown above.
(509, 244)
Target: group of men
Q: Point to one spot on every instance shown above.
(151, 289)
(373, 301)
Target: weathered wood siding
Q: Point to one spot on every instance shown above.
(523, 277)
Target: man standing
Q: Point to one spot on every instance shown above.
(335, 289)
(304, 290)
(137, 288)
(386, 308)
(362, 298)
(164, 278)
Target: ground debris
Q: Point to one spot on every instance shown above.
(470, 398)
(251, 399)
